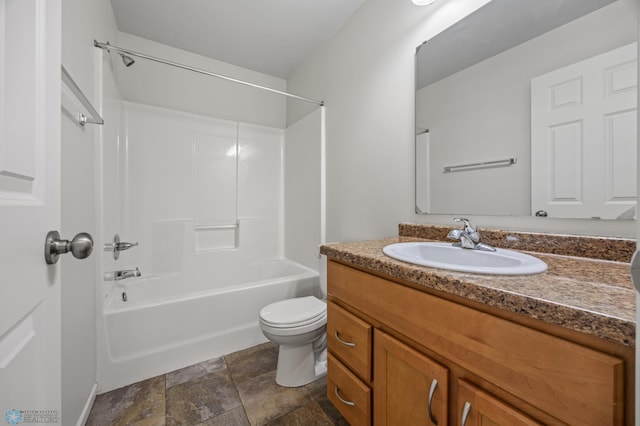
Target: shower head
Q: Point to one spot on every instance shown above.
(126, 60)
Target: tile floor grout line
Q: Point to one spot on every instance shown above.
(235, 385)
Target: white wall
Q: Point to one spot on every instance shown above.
(156, 84)
(82, 21)
(302, 190)
(486, 110)
(365, 74)
(637, 234)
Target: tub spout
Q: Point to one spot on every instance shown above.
(122, 275)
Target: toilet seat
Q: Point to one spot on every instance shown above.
(293, 313)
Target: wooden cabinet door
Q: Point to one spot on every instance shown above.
(409, 387)
(478, 408)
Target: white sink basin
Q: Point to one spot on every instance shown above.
(446, 256)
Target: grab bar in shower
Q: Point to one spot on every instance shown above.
(73, 87)
(227, 226)
(505, 162)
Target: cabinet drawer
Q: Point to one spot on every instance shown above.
(348, 393)
(349, 338)
(573, 383)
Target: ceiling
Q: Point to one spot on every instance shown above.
(273, 37)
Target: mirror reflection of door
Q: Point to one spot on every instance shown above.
(583, 138)
(473, 93)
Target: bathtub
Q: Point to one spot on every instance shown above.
(170, 322)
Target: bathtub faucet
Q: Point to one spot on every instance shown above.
(122, 275)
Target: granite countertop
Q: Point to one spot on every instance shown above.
(591, 296)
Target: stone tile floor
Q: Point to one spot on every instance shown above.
(237, 389)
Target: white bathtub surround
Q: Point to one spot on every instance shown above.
(205, 200)
(214, 173)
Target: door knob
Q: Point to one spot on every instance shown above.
(80, 247)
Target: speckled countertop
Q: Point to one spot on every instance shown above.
(588, 295)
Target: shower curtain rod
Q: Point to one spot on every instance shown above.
(108, 47)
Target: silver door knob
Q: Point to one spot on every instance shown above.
(80, 247)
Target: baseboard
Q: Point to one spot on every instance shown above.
(87, 406)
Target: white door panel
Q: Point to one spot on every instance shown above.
(583, 138)
(29, 208)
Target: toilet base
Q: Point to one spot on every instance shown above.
(297, 366)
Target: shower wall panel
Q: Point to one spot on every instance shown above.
(199, 190)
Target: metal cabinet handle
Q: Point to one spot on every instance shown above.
(350, 344)
(81, 246)
(465, 413)
(432, 390)
(336, 389)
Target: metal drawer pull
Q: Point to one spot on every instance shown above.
(350, 344)
(344, 401)
(434, 385)
(465, 412)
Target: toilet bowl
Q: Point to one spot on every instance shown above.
(298, 326)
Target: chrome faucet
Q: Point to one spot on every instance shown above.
(122, 275)
(468, 236)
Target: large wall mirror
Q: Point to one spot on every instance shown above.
(529, 108)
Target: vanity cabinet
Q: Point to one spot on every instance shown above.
(422, 358)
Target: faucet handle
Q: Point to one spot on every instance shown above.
(116, 246)
(125, 246)
(470, 230)
(469, 225)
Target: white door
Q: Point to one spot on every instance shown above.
(583, 138)
(29, 208)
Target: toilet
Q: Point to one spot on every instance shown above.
(298, 325)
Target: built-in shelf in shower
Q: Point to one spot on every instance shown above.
(216, 237)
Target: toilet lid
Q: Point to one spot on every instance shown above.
(294, 312)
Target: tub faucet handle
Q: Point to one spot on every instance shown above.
(124, 246)
(116, 246)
